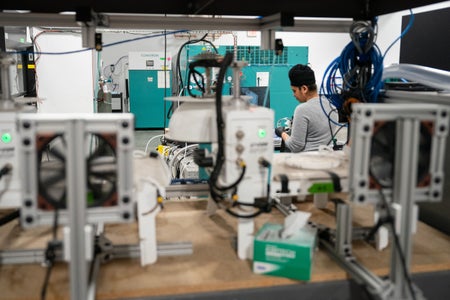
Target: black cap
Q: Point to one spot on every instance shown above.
(301, 75)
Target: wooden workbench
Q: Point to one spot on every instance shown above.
(213, 266)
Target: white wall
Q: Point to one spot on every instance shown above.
(323, 48)
(65, 82)
(147, 42)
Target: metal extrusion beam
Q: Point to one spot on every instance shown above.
(152, 22)
(379, 288)
(33, 256)
(318, 8)
(183, 23)
(163, 249)
(185, 190)
(30, 256)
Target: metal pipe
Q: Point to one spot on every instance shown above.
(5, 63)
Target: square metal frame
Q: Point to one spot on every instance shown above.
(75, 127)
(403, 194)
(407, 118)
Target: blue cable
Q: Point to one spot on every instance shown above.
(104, 46)
(329, 92)
(407, 28)
(360, 60)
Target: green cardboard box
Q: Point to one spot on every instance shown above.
(291, 257)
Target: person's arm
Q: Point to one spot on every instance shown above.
(296, 142)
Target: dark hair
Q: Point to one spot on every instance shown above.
(302, 75)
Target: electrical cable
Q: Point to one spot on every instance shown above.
(195, 74)
(151, 140)
(174, 161)
(181, 86)
(360, 66)
(114, 71)
(337, 131)
(329, 125)
(220, 157)
(333, 135)
(178, 77)
(235, 183)
(398, 247)
(104, 46)
(6, 169)
(391, 221)
(407, 28)
(50, 254)
(249, 216)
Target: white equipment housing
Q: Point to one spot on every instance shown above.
(248, 138)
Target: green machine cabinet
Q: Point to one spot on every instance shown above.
(149, 80)
(264, 69)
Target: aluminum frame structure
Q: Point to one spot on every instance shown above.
(75, 129)
(400, 198)
(84, 244)
(78, 217)
(407, 118)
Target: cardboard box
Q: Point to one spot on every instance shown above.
(290, 257)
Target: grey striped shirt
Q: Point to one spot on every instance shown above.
(310, 126)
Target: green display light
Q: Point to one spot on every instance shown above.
(262, 133)
(6, 138)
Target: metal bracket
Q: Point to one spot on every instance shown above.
(89, 21)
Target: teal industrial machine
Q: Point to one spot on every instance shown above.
(265, 78)
(149, 82)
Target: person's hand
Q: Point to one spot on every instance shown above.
(279, 131)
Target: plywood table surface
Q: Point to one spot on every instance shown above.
(213, 266)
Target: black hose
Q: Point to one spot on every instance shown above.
(220, 157)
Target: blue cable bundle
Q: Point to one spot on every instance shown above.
(360, 67)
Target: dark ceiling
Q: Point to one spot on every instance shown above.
(301, 8)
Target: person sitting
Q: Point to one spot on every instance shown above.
(313, 122)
